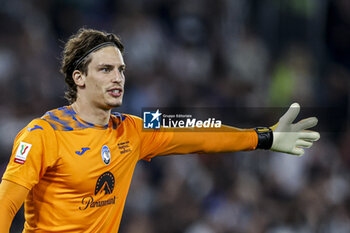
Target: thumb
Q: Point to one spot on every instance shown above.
(291, 114)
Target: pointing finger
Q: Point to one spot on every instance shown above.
(306, 123)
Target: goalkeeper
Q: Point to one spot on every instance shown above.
(72, 167)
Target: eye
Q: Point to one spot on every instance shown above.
(122, 69)
(105, 69)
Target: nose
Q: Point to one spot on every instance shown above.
(118, 77)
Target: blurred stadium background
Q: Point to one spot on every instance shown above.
(245, 53)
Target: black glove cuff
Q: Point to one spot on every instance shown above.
(265, 138)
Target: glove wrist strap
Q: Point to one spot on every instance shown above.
(265, 138)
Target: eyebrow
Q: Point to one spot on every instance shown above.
(123, 66)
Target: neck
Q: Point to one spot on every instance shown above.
(91, 114)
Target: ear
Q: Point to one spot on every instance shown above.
(79, 78)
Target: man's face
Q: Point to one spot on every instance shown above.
(104, 82)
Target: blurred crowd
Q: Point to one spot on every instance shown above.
(203, 53)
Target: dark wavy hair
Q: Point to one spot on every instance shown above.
(76, 47)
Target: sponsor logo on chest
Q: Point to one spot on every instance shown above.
(104, 188)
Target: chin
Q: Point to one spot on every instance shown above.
(115, 105)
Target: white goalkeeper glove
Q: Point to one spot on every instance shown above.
(292, 138)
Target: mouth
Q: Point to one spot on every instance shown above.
(115, 92)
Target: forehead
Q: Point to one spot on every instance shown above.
(107, 55)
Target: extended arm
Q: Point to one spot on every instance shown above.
(284, 137)
(196, 140)
(12, 197)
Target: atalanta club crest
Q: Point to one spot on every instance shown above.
(106, 154)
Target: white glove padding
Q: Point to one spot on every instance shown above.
(290, 138)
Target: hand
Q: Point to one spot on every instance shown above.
(292, 138)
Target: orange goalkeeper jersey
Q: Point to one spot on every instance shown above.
(79, 174)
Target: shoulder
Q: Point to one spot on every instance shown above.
(36, 131)
(128, 120)
(62, 119)
(131, 119)
(38, 125)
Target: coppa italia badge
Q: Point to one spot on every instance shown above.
(22, 152)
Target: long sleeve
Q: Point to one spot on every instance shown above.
(224, 139)
(168, 141)
(12, 197)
